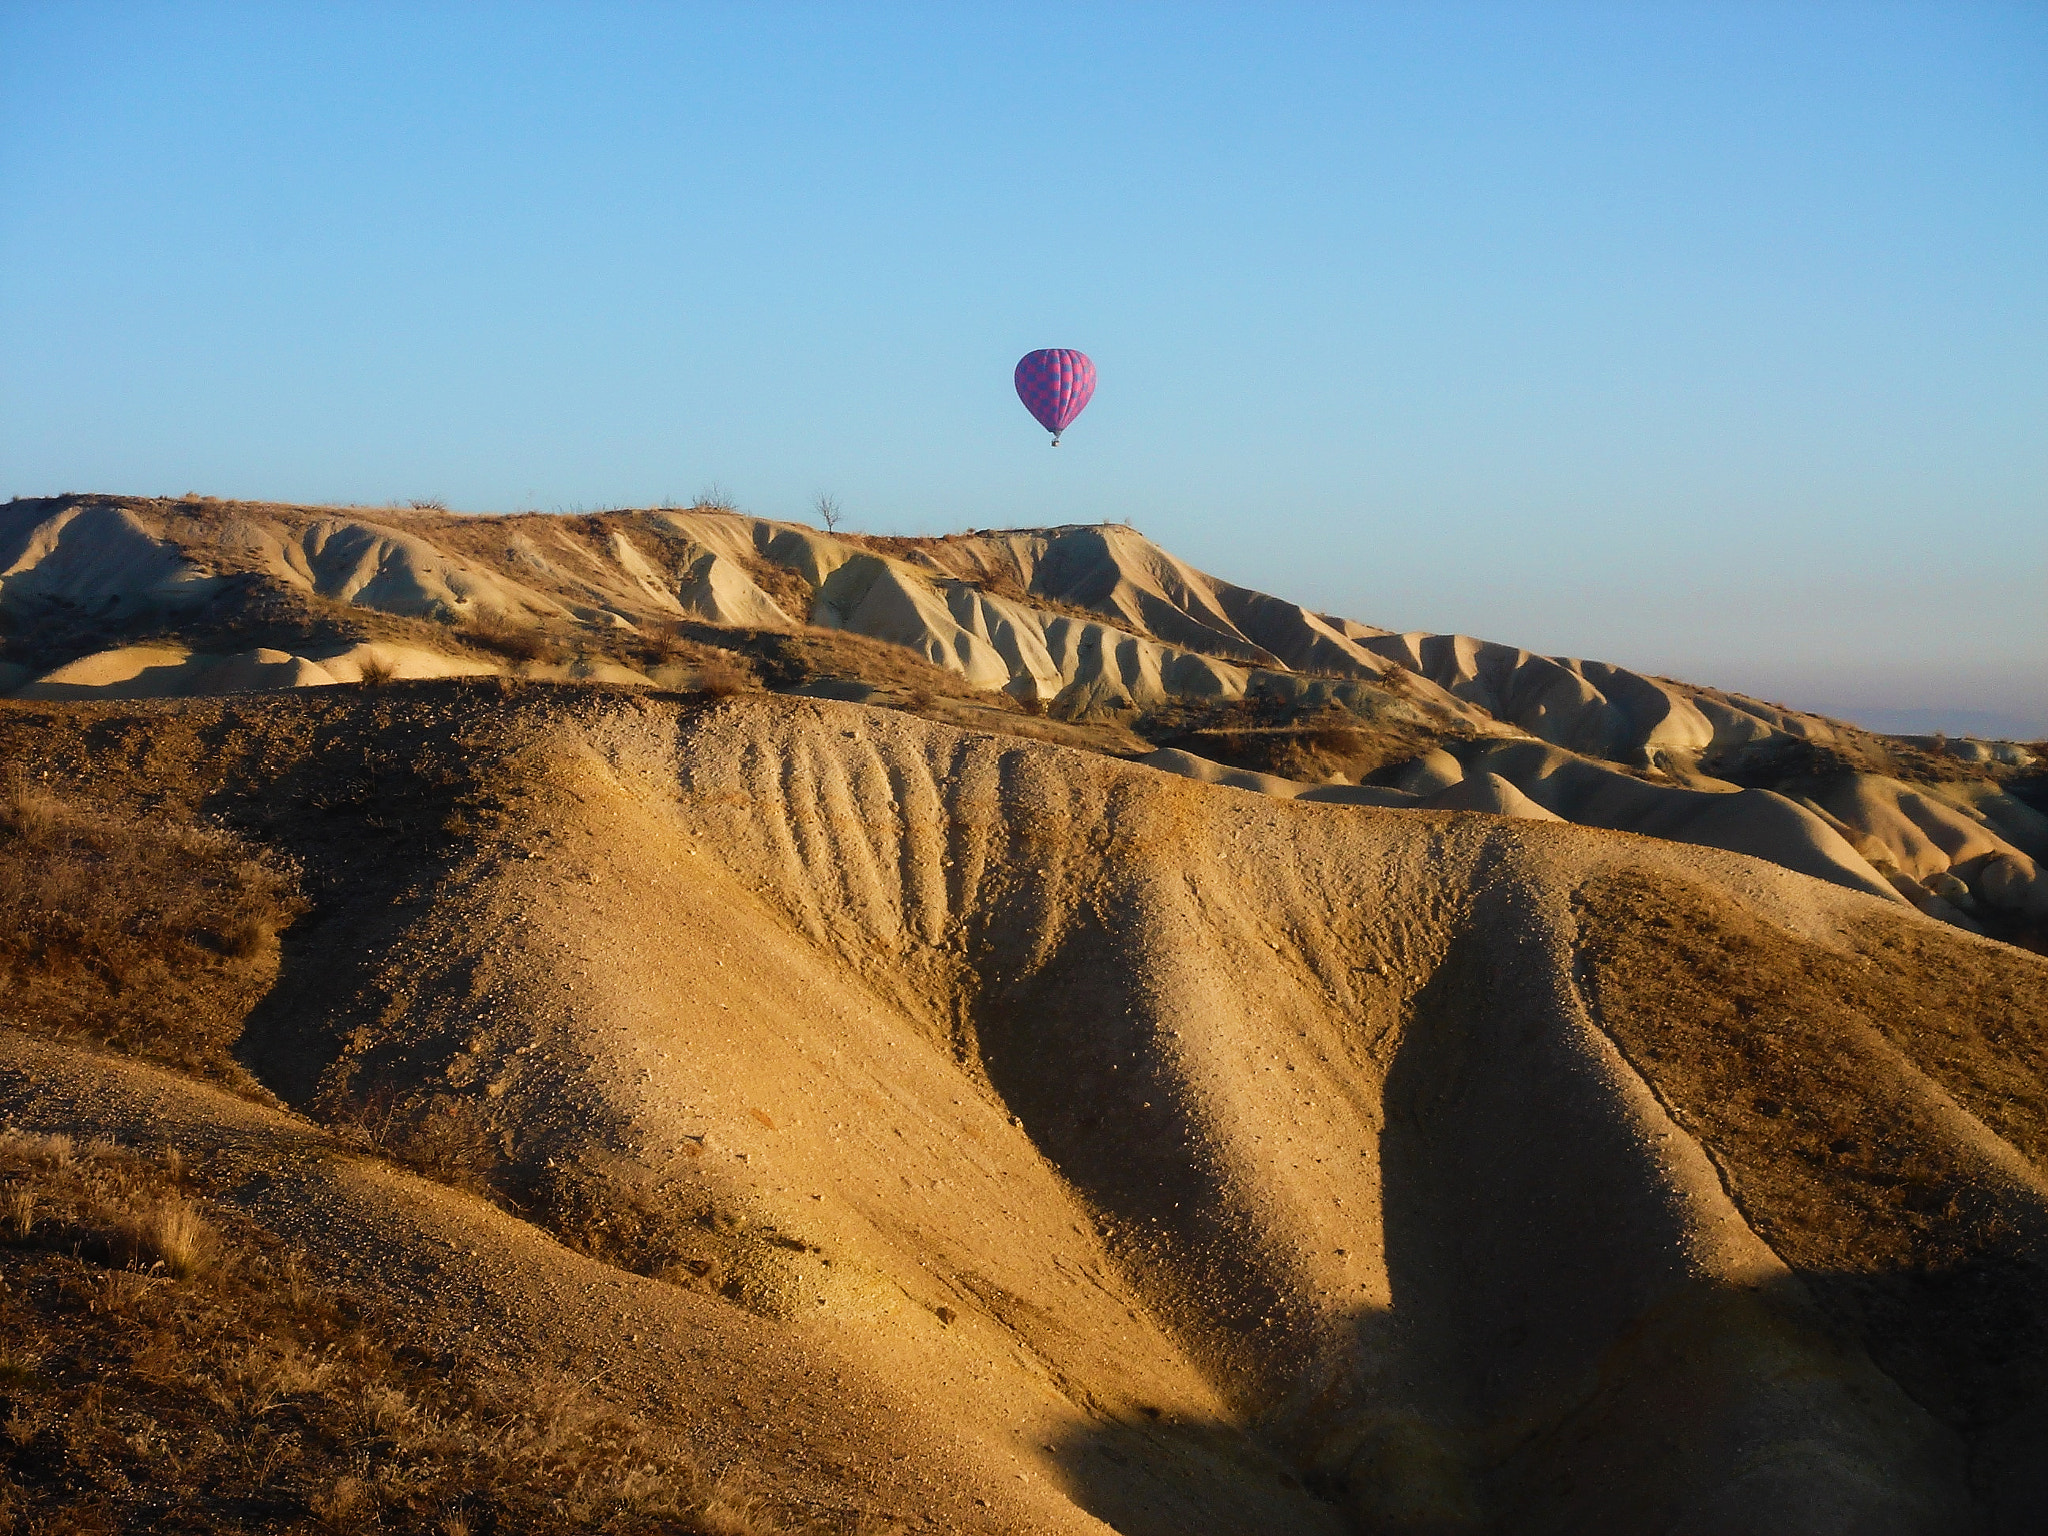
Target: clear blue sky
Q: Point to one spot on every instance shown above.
(1711, 339)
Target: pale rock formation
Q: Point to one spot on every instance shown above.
(1010, 611)
(1491, 793)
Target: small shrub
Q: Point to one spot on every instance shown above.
(430, 504)
(521, 644)
(442, 1137)
(171, 1234)
(663, 645)
(715, 498)
(721, 678)
(375, 671)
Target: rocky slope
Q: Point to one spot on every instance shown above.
(952, 1129)
(1091, 627)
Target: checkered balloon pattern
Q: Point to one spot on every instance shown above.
(1054, 383)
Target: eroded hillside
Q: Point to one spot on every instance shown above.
(947, 1127)
(1088, 636)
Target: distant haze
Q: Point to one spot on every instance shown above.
(1707, 339)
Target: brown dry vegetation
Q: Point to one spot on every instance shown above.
(714, 669)
(168, 1367)
(1764, 1050)
(1793, 766)
(150, 933)
(722, 676)
(520, 644)
(1310, 744)
(813, 656)
(793, 594)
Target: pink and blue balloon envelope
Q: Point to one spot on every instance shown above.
(1055, 383)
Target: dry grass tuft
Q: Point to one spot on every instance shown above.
(376, 671)
(27, 812)
(521, 644)
(728, 1512)
(721, 678)
(149, 934)
(19, 1208)
(171, 1235)
(1310, 747)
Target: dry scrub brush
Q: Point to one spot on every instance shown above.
(722, 677)
(443, 1137)
(791, 589)
(815, 654)
(1310, 745)
(521, 644)
(713, 670)
(151, 935)
(167, 1365)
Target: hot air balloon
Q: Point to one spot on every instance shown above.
(1054, 383)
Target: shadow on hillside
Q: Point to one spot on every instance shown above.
(377, 817)
(1551, 1361)
(1720, 1408)
(1543, 1303)
(1168, 1476)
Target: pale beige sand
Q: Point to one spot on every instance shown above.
(1491, 793)
(1167, 630)
(1533, 781)
(176, 672)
